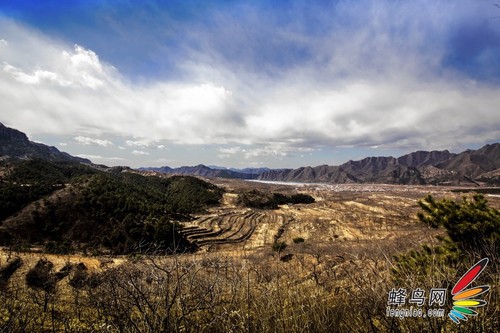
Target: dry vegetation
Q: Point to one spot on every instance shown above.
(333, 275)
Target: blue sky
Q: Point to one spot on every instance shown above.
(250, 83)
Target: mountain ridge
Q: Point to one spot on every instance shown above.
(15, 144)
(417, 168)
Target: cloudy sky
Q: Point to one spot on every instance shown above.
(250, 83)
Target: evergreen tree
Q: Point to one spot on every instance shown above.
(471, 224)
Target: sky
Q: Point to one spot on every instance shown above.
(250, 83)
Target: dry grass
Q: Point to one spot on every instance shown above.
(205, 293)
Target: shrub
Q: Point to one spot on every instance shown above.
(54, 247)
(40, 277)
(79, 277)
(279, 246)
(301, 198)
(470, 224)
(261, 200)
(472, 231)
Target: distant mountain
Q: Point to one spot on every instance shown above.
(250, 171)
(387, 170)
(480, 166)
(422, 158)
(163, 169)
(369, 170)
(421, 167)
(15, 144)
(204, 171)
(246, 172)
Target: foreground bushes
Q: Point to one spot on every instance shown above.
(208, 294)
(173, 295)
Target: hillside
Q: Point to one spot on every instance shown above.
(65, 205)
(420, 158)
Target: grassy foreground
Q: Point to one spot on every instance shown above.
(208, 294)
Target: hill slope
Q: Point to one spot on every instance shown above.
(67, 205)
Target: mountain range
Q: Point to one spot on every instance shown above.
(479, 167)
(421, 167)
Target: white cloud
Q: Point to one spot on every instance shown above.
(89, 141)
(63, 144)
(139, 152)
(138, 143)
(37, 77)
(95, 158)
(85, 67)
(3, 42)
(335, 98)
(276, 151)
(78, 68)
(231, 150)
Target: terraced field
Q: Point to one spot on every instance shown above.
(228, 228)
(335, 222)
(245, 227)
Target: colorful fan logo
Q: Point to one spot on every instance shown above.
(462, 299)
